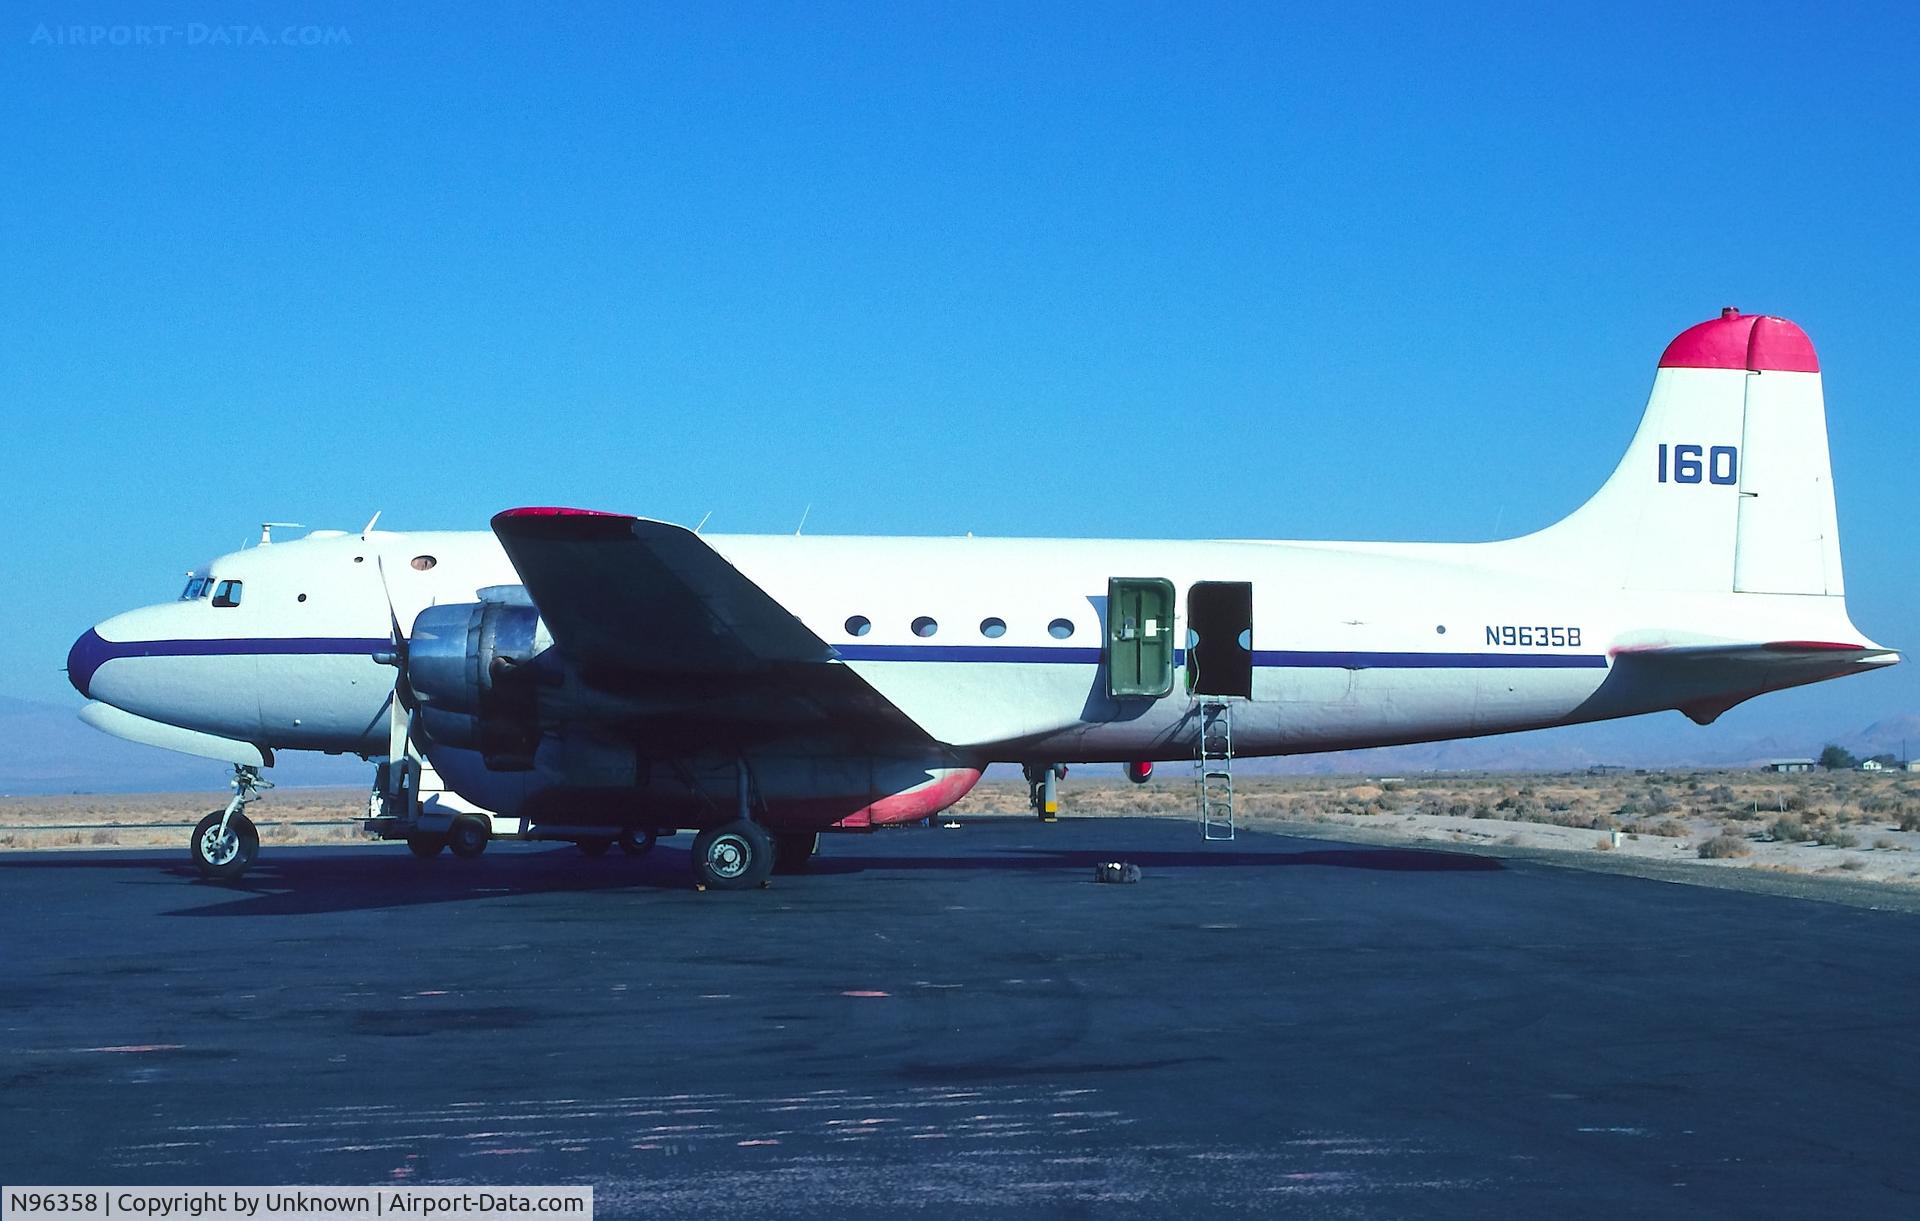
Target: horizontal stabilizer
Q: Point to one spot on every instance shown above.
(1734, 673)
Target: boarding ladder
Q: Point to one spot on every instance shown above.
(1215, 767)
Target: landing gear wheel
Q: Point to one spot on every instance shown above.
(223, 858)
(794, 850)
(736, 856)
(425, 846)
(637, 841)
(468, 836)
(593, 847)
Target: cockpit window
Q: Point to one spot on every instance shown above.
(197, 587)
(226, 593)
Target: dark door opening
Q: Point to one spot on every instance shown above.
(1220, 638)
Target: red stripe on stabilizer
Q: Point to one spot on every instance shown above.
(556, 511)
(1812, 646)
(1743, 341)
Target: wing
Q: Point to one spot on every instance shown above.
(647, 610)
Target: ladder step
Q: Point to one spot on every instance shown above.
(1213, 762)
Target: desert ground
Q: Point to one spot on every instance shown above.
(162, 820)
(1852, 825)
(1857, 825)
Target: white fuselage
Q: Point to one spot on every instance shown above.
(1358, 645)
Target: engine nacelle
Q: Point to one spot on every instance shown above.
(473, 669)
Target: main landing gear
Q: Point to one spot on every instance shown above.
(225, 843)
(733, 856)
(739, 855)
(1043, 788)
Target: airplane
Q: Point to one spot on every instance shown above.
(602, 677)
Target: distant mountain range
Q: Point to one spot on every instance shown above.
(45, 749)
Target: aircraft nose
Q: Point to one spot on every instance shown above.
(87, 655)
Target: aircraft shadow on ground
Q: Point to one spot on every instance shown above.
(1392, 860)
(296, 883)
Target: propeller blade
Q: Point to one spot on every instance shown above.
(402, 689)
(399, 730)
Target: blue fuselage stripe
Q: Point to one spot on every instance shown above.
(1273, 658)
(108, 650)
(260, 646)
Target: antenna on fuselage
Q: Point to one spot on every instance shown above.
(268, 527)
(703, 522)
(803, 519)
(368, 528)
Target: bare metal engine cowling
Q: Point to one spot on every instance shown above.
(475, 670)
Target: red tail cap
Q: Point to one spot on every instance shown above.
(555, 511)
(1743, 341)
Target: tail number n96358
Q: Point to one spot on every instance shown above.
(1533, 637)
(1695, 463)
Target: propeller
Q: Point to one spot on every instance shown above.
(402, 707)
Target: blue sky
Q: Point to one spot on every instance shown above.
(927, 269)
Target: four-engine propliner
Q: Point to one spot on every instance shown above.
(602, 678)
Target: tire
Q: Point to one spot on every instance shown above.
(593, 847)
(637, 841)
(224, 859)
(468, 836)
(736, 856)
(426, 846)
(793, 851)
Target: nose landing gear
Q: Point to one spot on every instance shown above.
(225, 843)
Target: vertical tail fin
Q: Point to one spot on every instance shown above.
(1726, 486)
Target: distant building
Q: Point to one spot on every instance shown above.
(1912, 765)
(1873, 765)
(1788, 765)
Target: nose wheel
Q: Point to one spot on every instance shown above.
(223, 854)
(225, 843)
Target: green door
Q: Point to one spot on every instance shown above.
(1139, 636)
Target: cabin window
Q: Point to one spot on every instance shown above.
(227, 593)
(993, 628)
(421, 563)
(859, 625)
(925, 626)
(1060, 629)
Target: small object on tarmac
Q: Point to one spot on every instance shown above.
(1116, 871)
